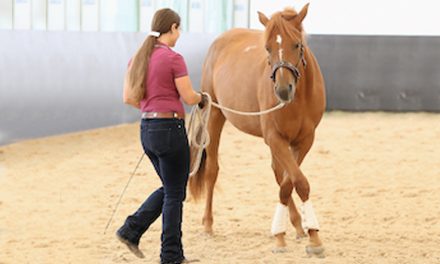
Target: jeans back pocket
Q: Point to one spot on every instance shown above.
(159, 140)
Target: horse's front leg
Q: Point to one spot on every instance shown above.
(282, 157)
(299, 151)
(295, 217)
(293, 176)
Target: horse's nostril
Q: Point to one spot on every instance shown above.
(283, 94)
(290, 88)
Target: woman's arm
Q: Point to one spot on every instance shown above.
(134, 104)
(129, 100)
(186, 91)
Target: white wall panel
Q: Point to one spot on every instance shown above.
(56, 15)
(196, 19)
(90, 15)
(147, 9)
(73, 15)
(241, 13)
(22, 14)
(6, 14)
(39, 15)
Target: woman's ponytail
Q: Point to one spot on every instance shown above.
(139, 65)
(137, 73)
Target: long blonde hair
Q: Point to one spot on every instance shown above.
(162, 21)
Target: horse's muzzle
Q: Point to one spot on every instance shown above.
(285, 93)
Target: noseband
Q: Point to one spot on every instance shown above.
(293, 68)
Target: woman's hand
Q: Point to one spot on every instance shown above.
(203, 100)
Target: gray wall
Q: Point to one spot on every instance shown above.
(387, 73)
(57, 82)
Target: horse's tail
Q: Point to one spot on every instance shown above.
(197, 180)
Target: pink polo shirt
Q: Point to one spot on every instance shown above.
(162, 96)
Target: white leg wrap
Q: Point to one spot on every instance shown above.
(280, 218)
(309, 220)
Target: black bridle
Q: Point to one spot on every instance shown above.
(293, 68)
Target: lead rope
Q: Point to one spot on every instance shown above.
(198, 134)
(122, 194)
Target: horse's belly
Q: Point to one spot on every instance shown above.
(247, 124)
(239, 93)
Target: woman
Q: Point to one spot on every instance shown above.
(163, 138)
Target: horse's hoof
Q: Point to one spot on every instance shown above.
(279, 250)
(209, 233)
(315, 251)
(300, 238)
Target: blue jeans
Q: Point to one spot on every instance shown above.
(166, 144)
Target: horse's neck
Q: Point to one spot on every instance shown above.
(311, 70)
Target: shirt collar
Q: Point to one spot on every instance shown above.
(161, 45)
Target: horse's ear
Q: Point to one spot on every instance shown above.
(263, 18)
(303, 12)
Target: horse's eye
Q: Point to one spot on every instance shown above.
(268, 49)
(296, 46)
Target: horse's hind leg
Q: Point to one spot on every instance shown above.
(215, 126)
(295, 217)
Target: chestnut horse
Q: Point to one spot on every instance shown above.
(252, 70)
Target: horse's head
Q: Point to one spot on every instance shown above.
(284, 40)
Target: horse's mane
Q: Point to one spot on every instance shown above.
(283, 22)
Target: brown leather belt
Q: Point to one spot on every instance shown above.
(152, 115)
